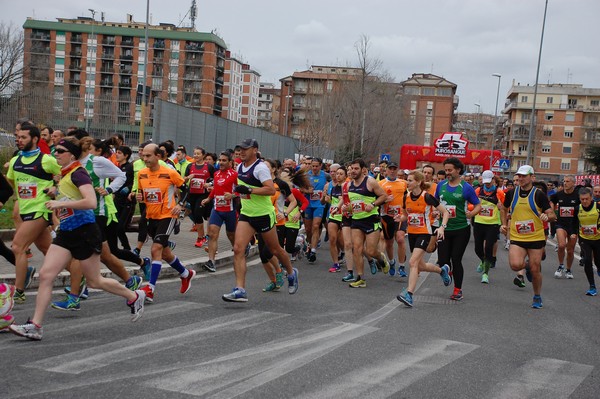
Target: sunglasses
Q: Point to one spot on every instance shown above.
(223, 160)
(60, 150)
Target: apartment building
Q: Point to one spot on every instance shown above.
(232, 90)
(567, 120)
(269, 103)
(431, 101)
(250, 92)
(94, 69)
(477, 126)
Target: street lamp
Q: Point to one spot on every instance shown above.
(144, 72)
(496, 75)
(87, 73)
(478, 125)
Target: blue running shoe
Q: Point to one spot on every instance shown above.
(134, 283)
(136, 251)
(293, 282)
(445, 274)
(406, 298)
(349, 278)
(393, 267)
(592, 291)
(83, 290)
(147, 268)
(71, 303)
(373, 265)
(236, 295)
(29, 276)
(402, 271)
(537, 302)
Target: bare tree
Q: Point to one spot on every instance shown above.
(11, 57)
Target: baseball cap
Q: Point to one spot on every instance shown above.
(392, 165)
(248, 143)
(525, 170)
(377, 169)
(487, 176)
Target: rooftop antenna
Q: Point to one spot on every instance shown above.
(193, 14)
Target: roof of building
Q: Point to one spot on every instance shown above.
(427, 79)
(555, 88)
(124, 29)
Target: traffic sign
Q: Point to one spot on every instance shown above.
(385, 157)
(504, 164)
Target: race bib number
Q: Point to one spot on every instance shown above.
(589, 230)
(65, 213)
(27, 190)
(451, 210)
(358, 206)
(487, 211)
(316, 195)
(245, 196)
(197, 184)
(525, 227)
(153, 196)
(416, 220)
(566, 212)
(393, 210)
(221, 202)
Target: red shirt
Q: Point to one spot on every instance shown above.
(201, 175)
(223, 183)
(301, 198)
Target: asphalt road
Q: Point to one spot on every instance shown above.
(327, 341)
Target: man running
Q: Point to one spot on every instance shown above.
(316, 210)
(588, 216)
(565, 202)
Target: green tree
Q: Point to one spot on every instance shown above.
(593, 156)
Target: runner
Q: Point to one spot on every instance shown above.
(316, 210)
(157, 186)
(417, 210)
(77, 238)
(365, 195)
(197, 175)
(6, 191)
(333, 196)
(529, 208)
(565, 202)
(393, 230)
(455, 194)
(588, 220)
(255, 187)
(31, 173)
(223, 211)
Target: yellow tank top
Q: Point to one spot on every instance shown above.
(525, 223)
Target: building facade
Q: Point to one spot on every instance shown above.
(232, 91)
(567, 120)
(269, 103)
(94, 69)
(250, 93)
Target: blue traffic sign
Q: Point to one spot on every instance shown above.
(504, 163)
(385, 157)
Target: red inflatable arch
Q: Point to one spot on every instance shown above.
(450, 144)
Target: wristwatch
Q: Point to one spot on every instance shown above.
(444, 225)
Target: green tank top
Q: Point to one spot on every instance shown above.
(31, 176)
(254, 205)
(456, 204)
(291, 224)
(360, 196)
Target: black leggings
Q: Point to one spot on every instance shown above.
(263, 250)
(142, 224)
(199, 212)
(125, 209)
(287, 238)
(591, 252)
(451, 251)
(7, 253)
(487, 233)
(111, 232)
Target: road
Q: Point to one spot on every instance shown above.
(327, 341)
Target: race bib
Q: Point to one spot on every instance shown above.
(221, 202)
(451, 210)
(589, 230)
(416, 219)
(65, 213)
(566, 212)
(334, 210)
(197, 184)
(393, 210)
(525, 227)
(27, 190)
(358, 206)
(153, 196)
(245, 196)
(316, 195)
(487, 211)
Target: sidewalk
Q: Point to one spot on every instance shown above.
(189, 255)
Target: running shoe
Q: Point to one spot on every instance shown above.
(402, 271)
(392, 267)
(537, 302)
(406, 298)
(485, 279)
(236, 295)
(373, 264)
(528, 271)
(349, 278)
(445, 274)
(172, 245)
(591, 292)
(149, 297)
(186, 282)
(27, 330)
(29, 276)
(136, 251)
(480, 267)
(137, 306)
(311, 257)
(335, 268)
(569, 275)
(6, 321)
(209, 266)
(581, 262)
(457, 295)
(385, 267)
(519, 281)
(134, 283)
(247, 251)
(84, 293)
(559, 272)
(70, 304)
(200, 241)
(358, 284)
(19, 297)
(147, 268)
(293, 282)
(507, 245)
(271, 287)
(279, 279)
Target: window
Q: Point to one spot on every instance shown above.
(428, 91)
(568, 134)
(522, 148)
(544, 165)
(444, 92)
(412, 91)
(525, 117)
(595, 103)
(546, 148)
(549, 100)
(329, 85)
(570, 118)
(567, 149)
(548, 132)
(549, 117)
(523, 99)
(565, 165)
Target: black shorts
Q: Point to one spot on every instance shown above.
(36, 215)
(346, 221)
(389, 227)
(261, 224)
(418, 241)
(569, 230)
(529, 244)
(367, 225)
(82, 242)
(102, 221)
(338, 223)
(161, 229)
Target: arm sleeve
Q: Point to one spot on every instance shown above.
(302, 201)
(508, 198)
(541, 200)
(431, 200)
(105, 169)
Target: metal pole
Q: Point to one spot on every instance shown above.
(537, 76)
(478, 125)
(495, 119)
(86, 95)
(144, 71)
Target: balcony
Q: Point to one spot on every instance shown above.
(76, 38)
(108, 56)
(194, 47)
(75, 81)
(191, 76)
(108, 41)
(127, 57)
(300, 89)
(127, 42)
(45, 36)
(193, 61)
(159, 44)
(106, 82)
(591, 137)
(37, 49)
(193, 88)
(221, 53)
(219, 81)
(75, 67)
(76, 53)
(299, 105)
(219, 94)
(126, 71)
(125, 83)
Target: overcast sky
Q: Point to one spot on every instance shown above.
(465, 41)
